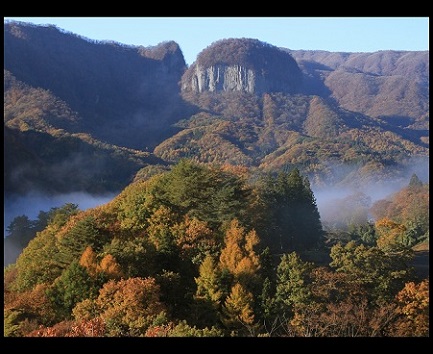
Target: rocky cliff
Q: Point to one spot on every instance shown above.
(245, 65)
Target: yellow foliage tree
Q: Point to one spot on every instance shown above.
(390, 234)
(232, 253)
(159, 229)
(238, 310)
(209, 294)
(129, 306)
(33, 308)
(413, 305)
(110, 267)
(88, 260)
(108, 264)
(238, 255)
(85, 310)
(208, 283)
(194, 238)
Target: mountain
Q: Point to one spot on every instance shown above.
(106, 83)
(339, 117)
(80, 114)
(89, 115)
(391, 85)
(245, 65)
(212, 169)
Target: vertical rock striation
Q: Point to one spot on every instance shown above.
(244, 65)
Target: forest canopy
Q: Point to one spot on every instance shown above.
(208, 250)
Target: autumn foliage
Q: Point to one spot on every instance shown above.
(234, 257)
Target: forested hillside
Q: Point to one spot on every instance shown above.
(211, 251)
(215, 227)
(104, 83)
(362, 113)
(74, 104)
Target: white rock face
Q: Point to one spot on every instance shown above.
(224, 78)
(218, 78)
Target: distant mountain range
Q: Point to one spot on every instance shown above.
(83, 115)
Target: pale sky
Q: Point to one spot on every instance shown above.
(193, 34)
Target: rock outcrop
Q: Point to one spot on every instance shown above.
(245, 65)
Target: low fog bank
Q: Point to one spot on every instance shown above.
(339, 204)
(11, 252)
(32, 203)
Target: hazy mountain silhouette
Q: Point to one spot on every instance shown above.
(88, 115)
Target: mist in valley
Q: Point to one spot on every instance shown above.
(31, 204)
(340, 205)
(34, 202)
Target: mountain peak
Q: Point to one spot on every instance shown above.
(243, 64)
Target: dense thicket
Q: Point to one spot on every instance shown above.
(201, 250)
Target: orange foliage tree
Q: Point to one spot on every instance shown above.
(129, 306)
(391, 235)
(238, 255)
(413, 306)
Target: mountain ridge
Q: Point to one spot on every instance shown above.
(351, 108)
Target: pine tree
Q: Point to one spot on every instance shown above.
(209, 294)
(307, 230)
(415, 181)
(21, 230)
(293, 280)
(293, 219)
(74, 241)
(73, 286)
(209, 194)
(238, 310)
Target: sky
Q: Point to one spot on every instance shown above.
(194, 34)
